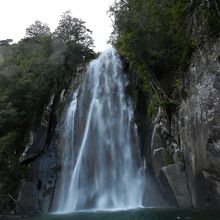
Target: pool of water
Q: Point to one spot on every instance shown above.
(137, 214)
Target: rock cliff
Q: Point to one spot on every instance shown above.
(182, 151)
(41, 157)
(185, 147)
(199, 122)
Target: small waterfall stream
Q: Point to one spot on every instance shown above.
(101, 163)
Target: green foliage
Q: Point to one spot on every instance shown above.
(153, 103)
(6, 42)
(73, 30)
(151, 33)
(38, 29)
(10, 170)
(168, 159)
(155, 36)
(31, 71)
(209, 14)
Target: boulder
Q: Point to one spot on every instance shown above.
(175, 176)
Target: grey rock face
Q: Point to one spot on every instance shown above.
(28, 199)
(41, 155)
(39, 141)
(178, 156)
(167, 162)
(43, 170)
(200, 127)
(158, 160)
(176, 177)
(36, 191)
(192, 136)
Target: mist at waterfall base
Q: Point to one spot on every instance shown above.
(136, 214)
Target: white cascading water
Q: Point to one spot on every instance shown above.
(101, 163)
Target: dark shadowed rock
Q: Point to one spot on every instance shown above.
(178, 156)
(28, 202)
(41, 136)
(176, 177)
(41, 159)
(42, 156)
(200, 127)
(158, 160)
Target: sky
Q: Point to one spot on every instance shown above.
(17, 15)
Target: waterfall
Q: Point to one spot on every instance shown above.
(101, 164)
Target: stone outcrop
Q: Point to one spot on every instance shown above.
(200, 127)
(28, 199)
(168, 163)
(176, 178)
(37, 188)
(42, 157)
(185, 147)
(41, 135)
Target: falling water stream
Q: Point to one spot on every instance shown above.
(101, 163)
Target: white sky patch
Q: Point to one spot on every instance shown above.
(17, 15)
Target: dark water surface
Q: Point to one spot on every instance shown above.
(137, 214)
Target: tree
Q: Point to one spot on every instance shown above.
(73, 30)
(38, 29)
(30, 72)
(5, 42)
